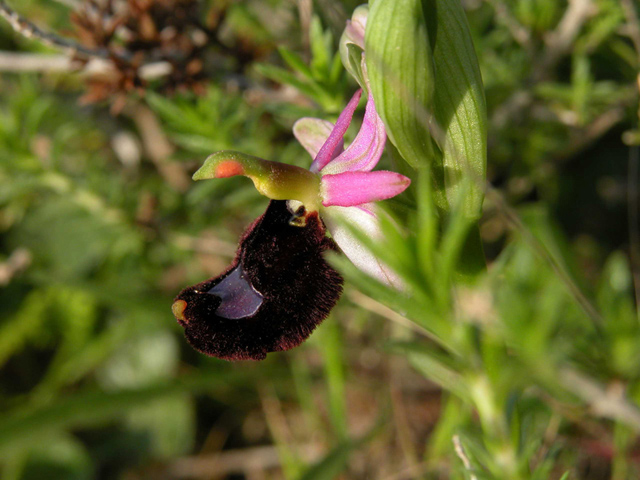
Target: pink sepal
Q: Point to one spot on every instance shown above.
(365, 151)
(325, 155)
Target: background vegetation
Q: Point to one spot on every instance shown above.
(532, 372)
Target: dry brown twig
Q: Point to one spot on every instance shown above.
(123, 44)
(158, 148)
(29, 30)
(560, 40)
(236, 461)
(18, 261)
(462, 455)
(558, 43)
(51, 63)
(607, 402)
(519, 32)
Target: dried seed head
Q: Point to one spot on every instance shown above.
(139, 33)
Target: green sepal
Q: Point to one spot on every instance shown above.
(401, 75)
(352, 61)
(278, 181)
(459, 103)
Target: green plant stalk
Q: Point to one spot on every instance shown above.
(331, 346)
(498, 441)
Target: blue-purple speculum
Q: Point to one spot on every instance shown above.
(273, 295)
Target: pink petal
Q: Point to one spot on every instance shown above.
(365, 151)
(325, 155)
(312, 133)
(355, 188)
(365, 219)
(355, 29)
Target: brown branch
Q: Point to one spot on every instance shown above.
(17, 262)
(519, 32)
(560, 40)
(462, 455)
(607, 402)
(558, 43)
(29, 30)
(236, 461)
(158, 148)
(52, 63)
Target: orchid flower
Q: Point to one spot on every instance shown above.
(279, 287)
(348, 187)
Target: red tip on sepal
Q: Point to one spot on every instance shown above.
(228, 169)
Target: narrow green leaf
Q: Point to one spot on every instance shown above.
(311, 89)
(90, 407)
(331, 347)
(295, 62)
(353, 63)
(320, 43)
(434, 366)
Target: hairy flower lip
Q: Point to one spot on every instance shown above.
(285, 266)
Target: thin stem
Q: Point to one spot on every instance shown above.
(634, 219)
(462, 455)
(512, 217)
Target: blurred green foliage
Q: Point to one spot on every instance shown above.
(533, 372)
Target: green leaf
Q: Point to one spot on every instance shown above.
(61, 457)
(353, 62)
(295, 61)
(16, 330)
(400, 68)
(320, 43)
(26, 426)
(335, 462)
(459, 103)
(310, 88)
(437, 367)
(330, 345)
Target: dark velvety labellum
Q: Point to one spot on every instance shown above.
(274, 294)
